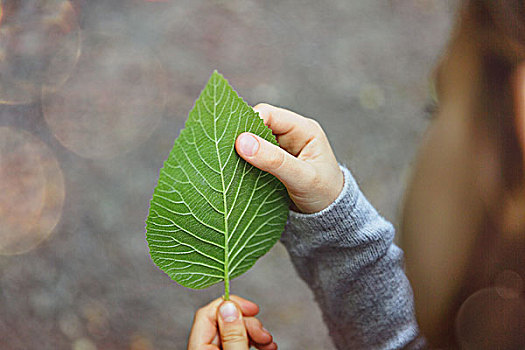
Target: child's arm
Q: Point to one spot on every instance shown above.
(346, 255)
(343, 249)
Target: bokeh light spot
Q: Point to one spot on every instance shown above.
(509, 284)
(39, 46)
(112, 102)
(31, 191)
(488, 321)
(97, 318)
(70, 325)
(140, 342)
(371, 97)
(84, 344)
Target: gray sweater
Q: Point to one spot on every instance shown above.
(346, 254)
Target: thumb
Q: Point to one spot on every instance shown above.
(231, 327)
(270, 158)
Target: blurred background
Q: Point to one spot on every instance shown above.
(93, 94)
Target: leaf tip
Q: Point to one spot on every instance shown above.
(217, 74)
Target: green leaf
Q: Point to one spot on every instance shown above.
(213, 214)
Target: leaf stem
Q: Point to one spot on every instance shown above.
(226, 288)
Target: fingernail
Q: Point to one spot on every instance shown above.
(228, 312)
(248, 145)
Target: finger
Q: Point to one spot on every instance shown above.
(216, 340)
(292, 172)
(280, 120)
(204, 327)
(271, 346)
(257, 333)
(248, 308)
(208, 347)
(293, 131)
(231, 327)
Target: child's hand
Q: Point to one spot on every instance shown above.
(229, 325)
(306, 164)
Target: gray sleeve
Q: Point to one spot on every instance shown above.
(346, 254)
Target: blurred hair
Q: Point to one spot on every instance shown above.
(498, 28)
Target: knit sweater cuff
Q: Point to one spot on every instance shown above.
(350, 221)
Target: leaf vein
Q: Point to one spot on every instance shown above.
(184, 230)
